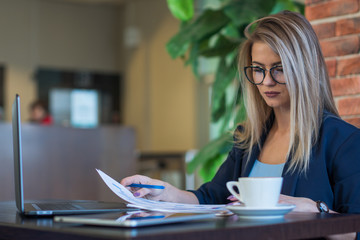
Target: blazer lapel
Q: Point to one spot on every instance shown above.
(289, 181)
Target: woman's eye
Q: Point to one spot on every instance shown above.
(278, 71)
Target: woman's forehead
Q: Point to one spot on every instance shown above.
(262, 54)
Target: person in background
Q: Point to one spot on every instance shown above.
(292, 130)
(39, 113)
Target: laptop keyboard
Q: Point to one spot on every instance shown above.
(57, 206)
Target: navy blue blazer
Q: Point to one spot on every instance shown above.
(333, 175)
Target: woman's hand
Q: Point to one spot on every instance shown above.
(234, 200)
(149, 193)
(302, 204)
(169, 193)
(308, 205)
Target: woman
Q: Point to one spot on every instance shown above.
(292, 129)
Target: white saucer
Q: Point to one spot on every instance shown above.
(261, 213)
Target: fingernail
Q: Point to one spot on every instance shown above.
(230, 197)
(136, 194)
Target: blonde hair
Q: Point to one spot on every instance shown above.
(290, 36)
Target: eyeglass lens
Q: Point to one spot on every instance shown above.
(256, 74)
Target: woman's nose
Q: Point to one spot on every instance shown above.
(268, 80)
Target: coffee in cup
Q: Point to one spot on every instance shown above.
(260, 192)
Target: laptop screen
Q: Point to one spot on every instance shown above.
(16, 127)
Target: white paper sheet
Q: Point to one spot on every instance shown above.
(143, 203)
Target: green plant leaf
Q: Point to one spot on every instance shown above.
(209, 169)
(222, 47)
(244, 12)
(220, 145)
(181, 9)
(210, 22)
(224, 76)
(300, 6)
(218, 112)
(240, 110)
(231, 31)
(229, 114)
(281, 5)
(194, 56)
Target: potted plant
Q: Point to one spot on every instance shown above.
(216, 33)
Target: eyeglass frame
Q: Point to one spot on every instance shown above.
(264, 74)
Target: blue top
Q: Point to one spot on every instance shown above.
(333, 175)
(266, 170)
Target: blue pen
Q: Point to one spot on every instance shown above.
(145, 186)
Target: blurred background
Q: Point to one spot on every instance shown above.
(97, 67)
(99, 73)
(110, 52)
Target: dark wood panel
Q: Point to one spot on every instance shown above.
(60, 163)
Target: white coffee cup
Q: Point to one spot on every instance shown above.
(260, 192)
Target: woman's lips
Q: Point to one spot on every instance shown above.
(272, 94)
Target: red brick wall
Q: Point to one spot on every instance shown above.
(337, 24)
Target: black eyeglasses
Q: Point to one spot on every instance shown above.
(256, 74)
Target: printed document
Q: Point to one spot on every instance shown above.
(143, 203)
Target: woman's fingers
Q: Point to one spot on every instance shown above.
(134, 179)
(302, 204)
(232, 198)
(142, 192)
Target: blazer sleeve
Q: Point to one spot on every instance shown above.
(215, 191)
(345, 175)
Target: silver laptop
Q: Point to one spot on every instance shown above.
(43, 208)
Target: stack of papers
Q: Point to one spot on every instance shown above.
(152, 205)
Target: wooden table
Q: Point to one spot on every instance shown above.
(292, 226)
